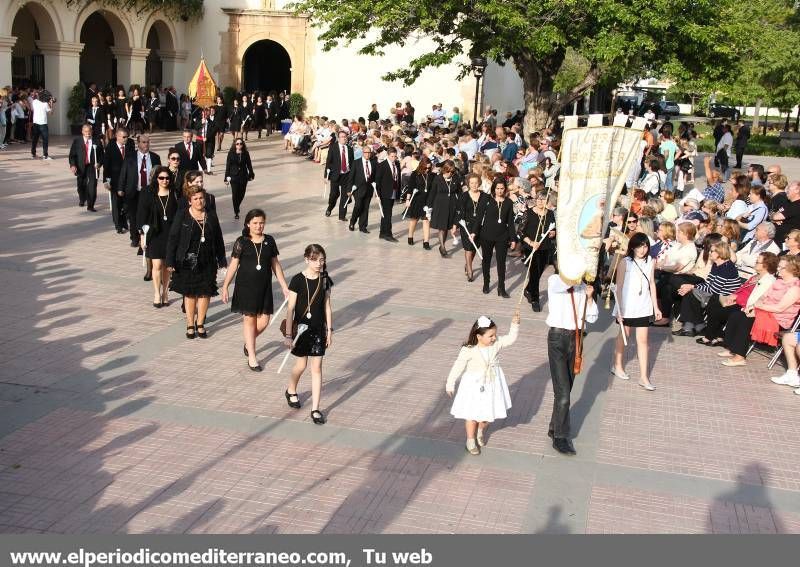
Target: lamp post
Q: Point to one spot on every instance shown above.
(478, 67)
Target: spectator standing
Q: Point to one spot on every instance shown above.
(742, 136)
(41, 109)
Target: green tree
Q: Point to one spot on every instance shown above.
(617, 38)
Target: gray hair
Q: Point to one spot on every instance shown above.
(620, 211)
(769, 227)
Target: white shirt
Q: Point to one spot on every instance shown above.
(470, 148)
(635, 300)
(148, 166)
(726, 140)
(649, 115)
(738, 208)
(40, 110)
(651, 183)
(559, 304)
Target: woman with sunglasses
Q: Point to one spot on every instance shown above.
(636, 304)
(494, 226)
(238, 171)
(176, 179)
(157, 209)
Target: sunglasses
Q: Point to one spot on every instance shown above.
(239, 144)
(174, 158)
(163, 177)
(633, 221)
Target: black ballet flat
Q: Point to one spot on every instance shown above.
(158, 305)
(426, 245)
(236, 216)
(148, 277)
(486, 288)
(318, 417)
(192, 334)
(411, 242)
(256, 368)
(203, 334)
(502, 293)
(295, 405)
(443, 251)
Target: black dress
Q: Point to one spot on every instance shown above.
(120, 111)
(443, 199)
(312, 341)
(260, 116)
(253, 292)
(202, 280)
(236, 119)
(468, 212)
(152, 210)
(423, 183)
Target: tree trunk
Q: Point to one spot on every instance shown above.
(756, 113)
(797, 120)
(786, 124)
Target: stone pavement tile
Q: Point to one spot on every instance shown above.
(623, 510)
(250, 483)
(705, 420)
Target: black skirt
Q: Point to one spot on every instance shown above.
(310, 343)
(636, 322)
(468, 247)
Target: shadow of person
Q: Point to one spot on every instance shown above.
(746, 508)
(554, 524)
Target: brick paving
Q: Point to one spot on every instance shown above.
(112, 422)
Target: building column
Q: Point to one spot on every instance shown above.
(131, 65)
(62, 62)
(6, 44)
(173, 71)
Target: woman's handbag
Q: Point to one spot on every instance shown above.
(190, 261)
(701, 296)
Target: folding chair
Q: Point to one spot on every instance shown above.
(779, 349)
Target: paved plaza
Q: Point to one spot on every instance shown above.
(111, 421)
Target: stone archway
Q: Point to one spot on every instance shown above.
(31, 23)
(266, 68)
(97, 60)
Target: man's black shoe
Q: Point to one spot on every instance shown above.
(364, 230)
(327, 212)
(536, 307)
(351, 227)
(563, 446)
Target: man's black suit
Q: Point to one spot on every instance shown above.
(97, 118)
(112, 167)
(362, 191)
(172, 108)
(387, 182)
(193, 163)
(87, 174)
(130, 183)
(339, 179)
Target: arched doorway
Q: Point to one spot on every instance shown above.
(31, 23)
(266, 67)
(97, 62)
(153, 70)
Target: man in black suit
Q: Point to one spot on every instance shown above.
(113, 160)
(85, 159)
(134, 177)
(338, 170)
(191, 153)
(387, 180)
(362, 188)
(90, 92)
(173, 109)
(96, 116)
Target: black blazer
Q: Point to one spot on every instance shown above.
(77, 156)
(386, 185)
(195, 163)
(112, 161)
(239, 170)
(333, 164)
(360, 182)
(129, 176)
(486, 226)
(97, 122)
(180, 236)
(172, 103)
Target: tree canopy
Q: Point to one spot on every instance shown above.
(183, 9)
(696, 40)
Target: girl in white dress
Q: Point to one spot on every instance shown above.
(483, 393)
(637, 304)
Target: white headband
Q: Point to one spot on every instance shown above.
(484, 322)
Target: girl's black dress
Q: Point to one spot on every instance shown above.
(152, 209)
(236, 117)
(468, 211)
(253, 292)
(312, 341)
(423, 183)
(120, 111)
(443, 198)
(259, 116)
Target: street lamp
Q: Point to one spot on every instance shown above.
(478, 68)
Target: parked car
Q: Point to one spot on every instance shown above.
(723, 111)
(668, 108)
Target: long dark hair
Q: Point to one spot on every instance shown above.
(157, 170)
(252, 214)
(476, 331)
(314, 250)
(233, 146)
(710, 240)
(637, 240)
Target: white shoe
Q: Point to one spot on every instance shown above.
(787, 379)
(47, 158)
(622, 375)
(797, 391)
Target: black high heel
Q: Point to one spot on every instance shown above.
(246, 354)
(411, 242)
(443, 251)
(202, 334)
(318, 417)
(295, 405)
(256, 368)
(426, 245)
(192, 334)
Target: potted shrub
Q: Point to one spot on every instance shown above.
(75, 110)
(297, 105)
